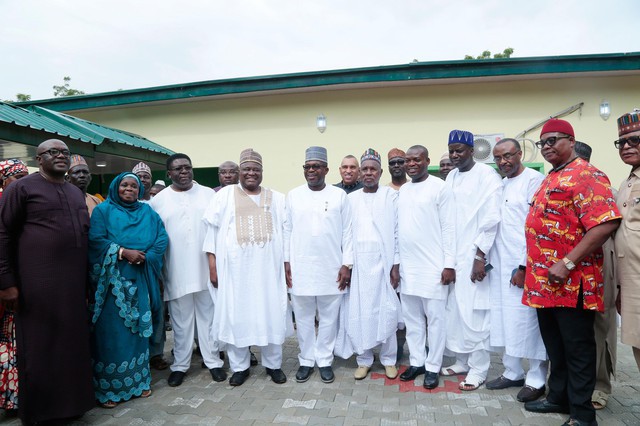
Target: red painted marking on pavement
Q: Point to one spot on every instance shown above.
(449, 384)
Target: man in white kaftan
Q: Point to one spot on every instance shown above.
(514, 326)
(318, 260)
(244, 245)
(186, 269)
(374, 308)
(476, 189)
(427, 264)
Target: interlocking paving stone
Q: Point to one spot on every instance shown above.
(299, 420)
(288, 403)
(372, 401)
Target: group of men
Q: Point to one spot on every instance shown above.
(467, 264)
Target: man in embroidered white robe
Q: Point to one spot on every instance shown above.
(514, 326)
(318, 259)
(476, 189)
(374, 308)
(244, 246)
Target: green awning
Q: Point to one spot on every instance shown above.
(107, 150)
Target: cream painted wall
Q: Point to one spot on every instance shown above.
(282, 126)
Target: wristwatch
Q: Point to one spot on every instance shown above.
(568, 263)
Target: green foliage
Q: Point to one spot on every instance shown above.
(506, 53)
(22, 97)
(65, 89)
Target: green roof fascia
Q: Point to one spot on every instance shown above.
(391, 73)
(129, 151)
(102, 134)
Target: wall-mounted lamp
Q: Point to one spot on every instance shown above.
(101, 163)
(321, 123)
(605, 110)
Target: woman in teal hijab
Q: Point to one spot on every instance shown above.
(127, 241)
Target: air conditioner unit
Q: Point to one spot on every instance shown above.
(483, 146)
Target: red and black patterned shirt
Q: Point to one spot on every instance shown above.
(570, 201)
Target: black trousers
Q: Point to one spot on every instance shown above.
(569, 339)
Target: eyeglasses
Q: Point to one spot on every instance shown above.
(55, 152)
(632, 141)
(396, 163)
(550, 141)
(508, 156)
(181, 168)
(308, 167)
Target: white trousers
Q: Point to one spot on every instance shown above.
(536, 376)
(316, 350)
(186, 312)
(388, 353)
(240, 358)
(477, 362)
(418, 312)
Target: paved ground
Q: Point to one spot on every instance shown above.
(373, 401)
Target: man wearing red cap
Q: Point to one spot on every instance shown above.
(572, 214)
(627, 238)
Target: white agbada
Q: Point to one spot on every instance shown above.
(426, 237)
(374, 308)
(252, 292)
(514, 326)
(477, 211)
(186, 268)
(317, 239)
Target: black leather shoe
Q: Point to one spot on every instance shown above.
(576, 422)
(529, 393)
(176, 378)
(239, 377)
(503, 383)
(544, 406)
(277, 375)
(218, 374)
(303, 374)
(253, 360)
(411, 373)
(326, 374)
(431, 380)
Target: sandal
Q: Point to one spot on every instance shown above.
(599, 399)
(468, 385)
(158, 363)
(146, 393)
(454, 370)
(108, 404)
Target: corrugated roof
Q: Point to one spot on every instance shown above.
(22, 117)
(57, 123)
(98, 133)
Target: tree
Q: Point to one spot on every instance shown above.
(65, 90)
(506, 53)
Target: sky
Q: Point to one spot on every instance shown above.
(111, 45)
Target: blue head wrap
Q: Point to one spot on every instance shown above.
(114, 197)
